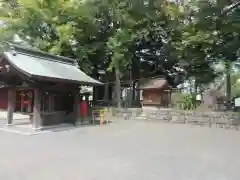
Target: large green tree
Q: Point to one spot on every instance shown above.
(150, 37)
(210, 35)
(69, 28)
(107, 34)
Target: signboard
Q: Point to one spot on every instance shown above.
(237, 102)
(199, 97)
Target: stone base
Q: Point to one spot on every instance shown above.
(9, 124)
(28, 130)
(37, 129)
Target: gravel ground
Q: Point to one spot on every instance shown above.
(125, 150)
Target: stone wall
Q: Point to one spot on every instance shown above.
(133, 112)
(224, 119)
(180, 116)
(187, 115)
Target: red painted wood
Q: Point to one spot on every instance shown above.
(84, 108)
(3, 98)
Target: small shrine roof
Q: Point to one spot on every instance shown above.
(45, 66)
(153, 83)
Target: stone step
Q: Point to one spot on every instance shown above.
(143, 115)
(140, 118)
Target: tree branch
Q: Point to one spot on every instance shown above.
(230, 7)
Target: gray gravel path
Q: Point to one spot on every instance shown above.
(126, 150)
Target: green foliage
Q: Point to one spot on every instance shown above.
(100, 34)
(67, 28)
(208, 36)
(118, 49)
(187, 101)
(154, 37)
(235, 85)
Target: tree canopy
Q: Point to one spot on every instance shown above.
(152, 37)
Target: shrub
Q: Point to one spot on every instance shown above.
(187, 101)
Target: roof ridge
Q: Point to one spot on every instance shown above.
(41, 54)
(153, 78)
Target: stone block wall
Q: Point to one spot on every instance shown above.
(179, 115)
(192, 115)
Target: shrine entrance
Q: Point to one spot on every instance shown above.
(24, 101)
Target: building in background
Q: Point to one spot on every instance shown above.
(155, 92)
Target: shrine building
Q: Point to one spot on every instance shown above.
(42, 85)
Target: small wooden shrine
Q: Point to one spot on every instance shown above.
(43, 85)
(155, 92)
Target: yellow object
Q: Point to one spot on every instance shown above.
(102, 116)
(101, 119)
(101, 113)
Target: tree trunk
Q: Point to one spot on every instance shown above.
(131, 86)
(95, 94)
(118, 87)
(228, 82)
(134, 91)
(106, 92)
(138, 92)
(106, 89)
(196, 86)
(230, 7)
(136, 74)
(95, 89)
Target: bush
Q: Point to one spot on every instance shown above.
(187, 101)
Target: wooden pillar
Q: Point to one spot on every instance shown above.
(22, 103)
(50, 103)
(95, 95)
(138, 93)
(77, 107)
(170, 98)
(37, 120)
(11, 106)
(106, 92)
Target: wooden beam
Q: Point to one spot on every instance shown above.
(59, 88)
(77, 106)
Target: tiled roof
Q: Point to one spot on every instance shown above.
(153, 83)
(42, 65)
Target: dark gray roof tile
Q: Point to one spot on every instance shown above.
(153, 83)
(35, 63)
